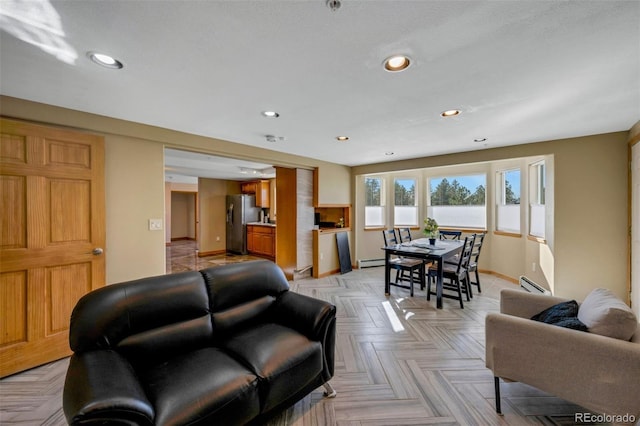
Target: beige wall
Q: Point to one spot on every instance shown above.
(134, 194)
(170, 187)
(334, 185)
(634, 223)
(135, 189)
(589, 244)
(183, 215)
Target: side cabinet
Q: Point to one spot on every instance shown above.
(261, 241)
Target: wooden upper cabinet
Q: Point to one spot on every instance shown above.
(248, 187)
(262, 194)
(261, 190)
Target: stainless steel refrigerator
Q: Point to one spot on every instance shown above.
(241, 209)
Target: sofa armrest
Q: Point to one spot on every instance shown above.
(523, 304)
(102, 385)
(588, 369)
(312, 317)
(305, 314)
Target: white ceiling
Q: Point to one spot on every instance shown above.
(187, 167)
(520, 71)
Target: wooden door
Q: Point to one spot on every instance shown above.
(52, 237)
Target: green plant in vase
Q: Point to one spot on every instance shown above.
(431, 229)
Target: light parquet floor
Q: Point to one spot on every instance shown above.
(399, 361)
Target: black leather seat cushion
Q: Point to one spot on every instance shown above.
(284, 359)
(202, 387)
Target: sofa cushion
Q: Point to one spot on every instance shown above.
(284, 359)
(243, 282)
(105, 317)
(607, 315)
(564, 314)
(202, 387)
(167, 341)
(237, 317)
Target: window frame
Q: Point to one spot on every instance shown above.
(537, 197)
(381, 206)
(505, 213)
(416, 201)
(451, 178)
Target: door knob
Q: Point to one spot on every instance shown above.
(97, 251)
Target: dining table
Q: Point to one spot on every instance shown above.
(422, 249)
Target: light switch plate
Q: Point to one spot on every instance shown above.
(155, 224)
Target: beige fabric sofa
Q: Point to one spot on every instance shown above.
(599, 373)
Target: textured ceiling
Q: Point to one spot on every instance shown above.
(520, 71)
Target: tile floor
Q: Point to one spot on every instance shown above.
(182, 255)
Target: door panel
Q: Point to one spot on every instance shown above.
(51, 219)
(13, 216)
(13, 328)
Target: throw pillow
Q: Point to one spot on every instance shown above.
(564, 314)
(607, 315)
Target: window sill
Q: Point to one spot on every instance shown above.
(540, 240)
(507, 234)
(464, 230)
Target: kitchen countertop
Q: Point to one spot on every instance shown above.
(262, 224)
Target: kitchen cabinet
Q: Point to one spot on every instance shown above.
(260, 188)
(261, 240)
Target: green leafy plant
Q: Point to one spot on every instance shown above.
(430, 227)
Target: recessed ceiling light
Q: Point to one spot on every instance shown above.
(270, 114)
(105, 60)
(450, 113)
(342, 138)
(397, 63)
(480, 140)
(388, 153)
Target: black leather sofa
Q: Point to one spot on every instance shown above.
(227, 345)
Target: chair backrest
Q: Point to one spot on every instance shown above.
(404, 234)
(450, 235)
(389, 236)
(477, 247)
(465, 255)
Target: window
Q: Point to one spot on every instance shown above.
(458, 201)
(374, 202)
(508, 210)
(405, 210)
(537, 179)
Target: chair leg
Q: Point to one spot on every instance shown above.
(496, 381)
(478, 281)
(411, 283)
(429, 287)
(467, 288)
(467, 284)
(459, 285)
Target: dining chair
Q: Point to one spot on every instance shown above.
(475, 256)
(450, 235)
(404, 234)
(415, 267)
(457, 274)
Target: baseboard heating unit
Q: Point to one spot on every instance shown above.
(368, 263)
(532, 287)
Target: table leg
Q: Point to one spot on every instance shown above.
(439, 285)
(387, 271)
